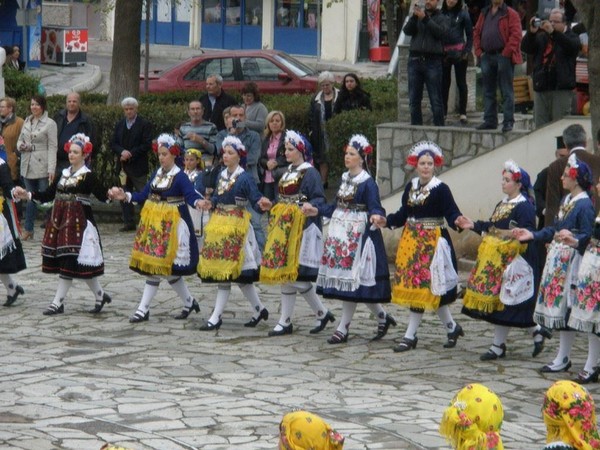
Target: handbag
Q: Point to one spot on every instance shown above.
(517, 282)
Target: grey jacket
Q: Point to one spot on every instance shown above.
(38, 145)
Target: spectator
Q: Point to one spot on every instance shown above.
(215, 101)
(272, 154)
(10, 129)
(69, 122)
(199, 133)
(352, 96)
(426, 27)
(13, 61)
(256, 111)
(321, 110)
(575, 140)
(302, 430)
(456, 53)
(131, 142)
(37, 145)
(554, 48)
(541, 182)
(497, 40)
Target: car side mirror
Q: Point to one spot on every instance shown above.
(284, 77)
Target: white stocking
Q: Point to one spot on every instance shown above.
(95, 287)
(249, 291)
(567, 339)
(445, 316)
(150, 289)
(222, 297)
(179, 286)
(414, 320)
(307, 290)
(500, 335)
(377, 311)
(64, 284)
(348, 309)
(9, 283)
(288, 301)
(593, 353)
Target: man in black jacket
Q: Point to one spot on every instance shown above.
(215, 101)
(131, 142)
(555, 48)
(426, 28)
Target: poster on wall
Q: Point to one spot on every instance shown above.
(64, 45)
(373, 26)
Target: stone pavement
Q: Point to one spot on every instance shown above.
(75, 380)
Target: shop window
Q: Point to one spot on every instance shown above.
(289, 13)
(232, 12)
(253, 13)
(222, 66)
(310, 14)
(212, 11)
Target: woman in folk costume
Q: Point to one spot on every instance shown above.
(294, 245)
(230, 252)
(568, 238)
(302, 430)
(354, 265)
(194, 166)
(570, 417)
(473, 419)
(425, 245)
(12, 259)
(165, 244)
(71, 245)
(498, 249)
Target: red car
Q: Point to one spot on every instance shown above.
(273, 71)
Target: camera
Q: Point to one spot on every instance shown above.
(537, 22)
(419, 6)
(236, 123)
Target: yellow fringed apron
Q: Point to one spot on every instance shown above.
(412, 286)
(222, 255)
(485, 281)
(156, 242)
(280, 258)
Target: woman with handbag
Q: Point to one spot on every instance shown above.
(293, 250)
(498, 251)
(362, 274)
(568, 238)
(427, 204)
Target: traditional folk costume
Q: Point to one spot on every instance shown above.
(71, 245)
(425, 245)
(555, 297)
(230, 253)
(497, 251)
(303, 430)
(199, 218)
(165, 244)
(354, 265)
(294, 244)
(12, 259)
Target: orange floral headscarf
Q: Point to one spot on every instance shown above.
(570, 417)
(473, 419)
(301, 430)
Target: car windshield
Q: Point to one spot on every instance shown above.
(298, 68)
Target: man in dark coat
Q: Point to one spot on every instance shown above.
(215, 101)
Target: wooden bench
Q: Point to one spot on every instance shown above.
(523, 89)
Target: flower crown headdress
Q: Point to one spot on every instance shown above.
(424, 147)
(361, 144)
(513, 168)
(573, 164)
(80, 140)
(194, 151)
(295, 139)
(168, 141)
(236, 144)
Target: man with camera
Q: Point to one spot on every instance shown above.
(426, 28)
(554, 48)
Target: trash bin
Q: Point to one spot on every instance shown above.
(65, 46)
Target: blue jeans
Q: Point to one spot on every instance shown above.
(33, 185)
(428, 72)
(497, 71)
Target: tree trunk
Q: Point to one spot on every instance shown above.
(147, 44)
(125, 69)
(589, 11)
(390, 16)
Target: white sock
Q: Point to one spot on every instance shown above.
(500, 335)
(567, 339)
(222, 297)
(307, 290)
(414, 320)
(179, 286)
(348, 309)
(377, 311)
(95, 287)
(593, 353)
(288, 301)
(249, 291)
(538, 337)
(9, 283)
(64, 284)
(445, 316)
(150, 289)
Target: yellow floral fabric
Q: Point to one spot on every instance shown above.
(282, 249)
(570, 417)
(412, 285)
(156, 242)
(474, 419)
(485, 281)
(301, 430)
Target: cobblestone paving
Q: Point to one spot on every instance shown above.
(74, 381)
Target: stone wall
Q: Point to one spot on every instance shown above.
(56, 14)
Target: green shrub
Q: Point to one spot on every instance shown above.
(19, 84)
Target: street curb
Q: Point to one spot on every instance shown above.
(89, 84)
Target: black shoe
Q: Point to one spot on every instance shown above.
(490, 355)
(548, 368)
(382, 328)
(326, 318)
(128, 227)
(53, 309)
(264, 315)
(546, 333)
(406, 344)
(507, 127)
(453, 337)
(486, 126)
(338, 338)
(98, 307)
(211, 326)
(10, 299)
(285, 330)
(139, 317)
(585, 377)
(185, 312)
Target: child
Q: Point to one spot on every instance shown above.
(194, 169)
